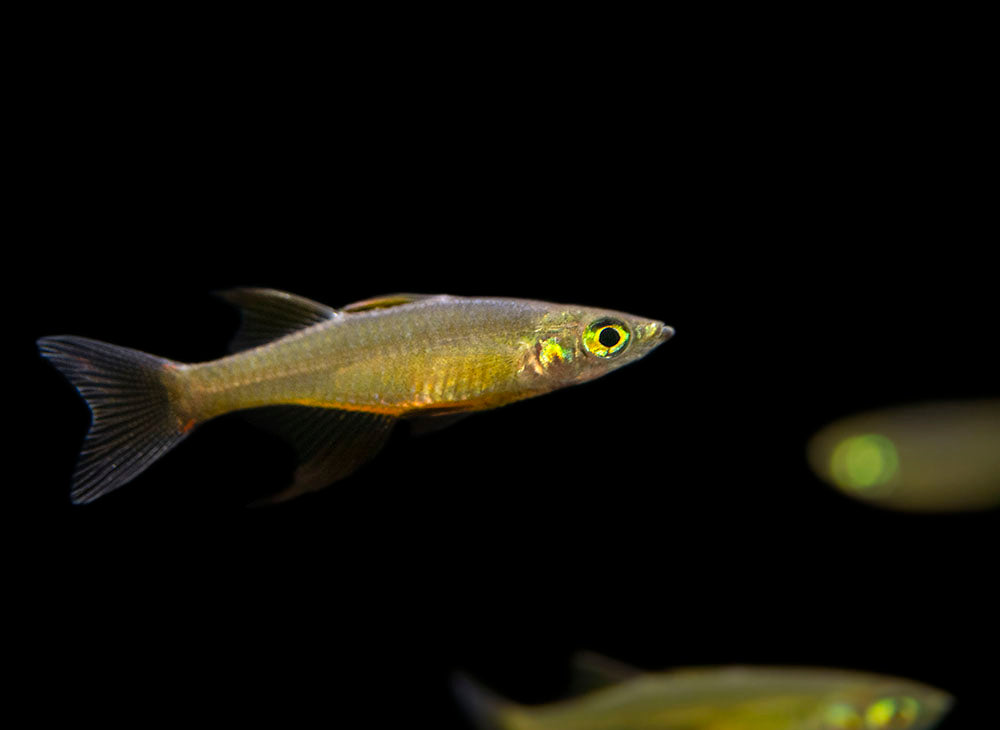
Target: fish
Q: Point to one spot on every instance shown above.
(618, 697)
(335, 382)
(934, 456)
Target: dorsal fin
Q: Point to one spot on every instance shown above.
(592, 671)
(269, 314)
(386, 300)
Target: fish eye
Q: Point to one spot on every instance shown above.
(605, 337)
(890, 713)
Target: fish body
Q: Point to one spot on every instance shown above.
(428, 355)
(725, 698)
(938, 456)
(347, 374)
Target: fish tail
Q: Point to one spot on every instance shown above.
(487, 709)
(135, 413)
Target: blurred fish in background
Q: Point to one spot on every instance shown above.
(618, 697)
(932, 457)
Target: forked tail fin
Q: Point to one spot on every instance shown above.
(134, 420)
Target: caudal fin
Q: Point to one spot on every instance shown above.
(133, 420)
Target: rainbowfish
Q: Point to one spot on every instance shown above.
(935, 456)
(336, 381)
(720, 698)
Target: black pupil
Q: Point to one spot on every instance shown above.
(609, 337)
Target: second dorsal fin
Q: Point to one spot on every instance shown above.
(387, 300)
(269, 314)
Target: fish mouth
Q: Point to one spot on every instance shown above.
(655, 332)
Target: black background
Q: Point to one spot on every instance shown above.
(810, 220)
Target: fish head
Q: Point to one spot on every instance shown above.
(577, 344)
(887, 704)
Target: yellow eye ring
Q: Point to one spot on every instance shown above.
(605, 337)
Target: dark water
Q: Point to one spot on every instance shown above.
(663, 515)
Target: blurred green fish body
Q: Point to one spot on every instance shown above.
(929, 457)
(335, 381)
(723, 698)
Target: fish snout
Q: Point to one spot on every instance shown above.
(655, 332)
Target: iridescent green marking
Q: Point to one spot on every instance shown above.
(862, 462)
(891, 712)
(550, 350)
(605, 337)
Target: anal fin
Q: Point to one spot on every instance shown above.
(330, 444)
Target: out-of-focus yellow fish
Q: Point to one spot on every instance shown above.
(723, 698)
(937, 456)
(337, 380)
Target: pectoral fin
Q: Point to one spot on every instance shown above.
(330, 444)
